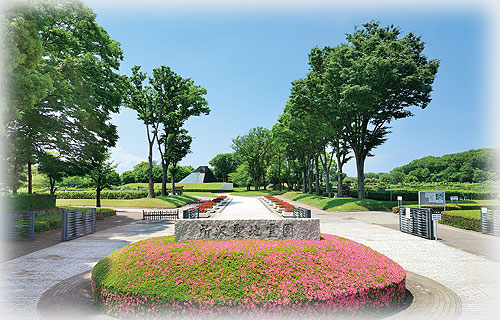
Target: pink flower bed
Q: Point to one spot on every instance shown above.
(160, 277)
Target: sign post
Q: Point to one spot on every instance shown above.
(400, 201)
(436, 217)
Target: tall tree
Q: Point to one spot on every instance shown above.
(180, 147)
(62, 74)
(369, 82)
(253, 148)
(139, 98)
(223, 164)
(175, 99)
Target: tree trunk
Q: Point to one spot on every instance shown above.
(339, 177)
(98, 197)
(256, 184)
(304, 177)
(30, 178)
(151, 183)
(327, 179)
(316, 184)
(309, 176)
(360, 166)
(164, 179)
(15, 172)
(172, 179)
(52, 185)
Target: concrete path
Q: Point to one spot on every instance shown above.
(470, 277)
(241, 208)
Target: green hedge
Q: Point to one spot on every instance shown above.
(461, 222)
(450, 207)
(105, 194)
(129, 194)
(31, 201)
(412, 195)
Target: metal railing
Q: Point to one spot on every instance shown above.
(490, 221)
(21, 225)
(299, 212)
(160, 215)
(77, 223)
(191, 213)
(416, 221)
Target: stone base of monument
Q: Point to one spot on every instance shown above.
(289, 229)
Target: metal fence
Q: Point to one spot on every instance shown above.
(490, 221)
(21, 225)
(299, 212)
(77, 223)
(191, 213)
(160, 215)
(416, 221)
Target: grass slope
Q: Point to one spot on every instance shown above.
(340, 204)
(158, 202)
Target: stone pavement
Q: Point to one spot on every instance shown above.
(245, 208)
(456, 275)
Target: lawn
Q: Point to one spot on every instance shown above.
(340, 204)
(158, 202)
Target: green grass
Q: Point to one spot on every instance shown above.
(340, 204)
(187, 186)
(158, 202)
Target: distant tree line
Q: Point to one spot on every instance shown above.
(470, 166)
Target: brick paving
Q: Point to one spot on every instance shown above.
(463, 277)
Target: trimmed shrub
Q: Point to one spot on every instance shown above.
(461, 222)
(30, 202)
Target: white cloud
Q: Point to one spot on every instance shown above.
(126, 161)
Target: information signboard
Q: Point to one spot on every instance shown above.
(436, 216)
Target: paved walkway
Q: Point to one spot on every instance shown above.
(470, 276)
(245, 208)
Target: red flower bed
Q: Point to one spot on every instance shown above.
(262, 278)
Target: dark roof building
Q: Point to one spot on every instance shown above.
(200, 175)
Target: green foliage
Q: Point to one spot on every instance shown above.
(254, 148)
(469, 166)
(223, 164)
(241, 177)
(62, 74)
(28, 202)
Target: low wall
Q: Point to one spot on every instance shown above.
(289, 229)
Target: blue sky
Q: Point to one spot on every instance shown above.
(246, 58)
